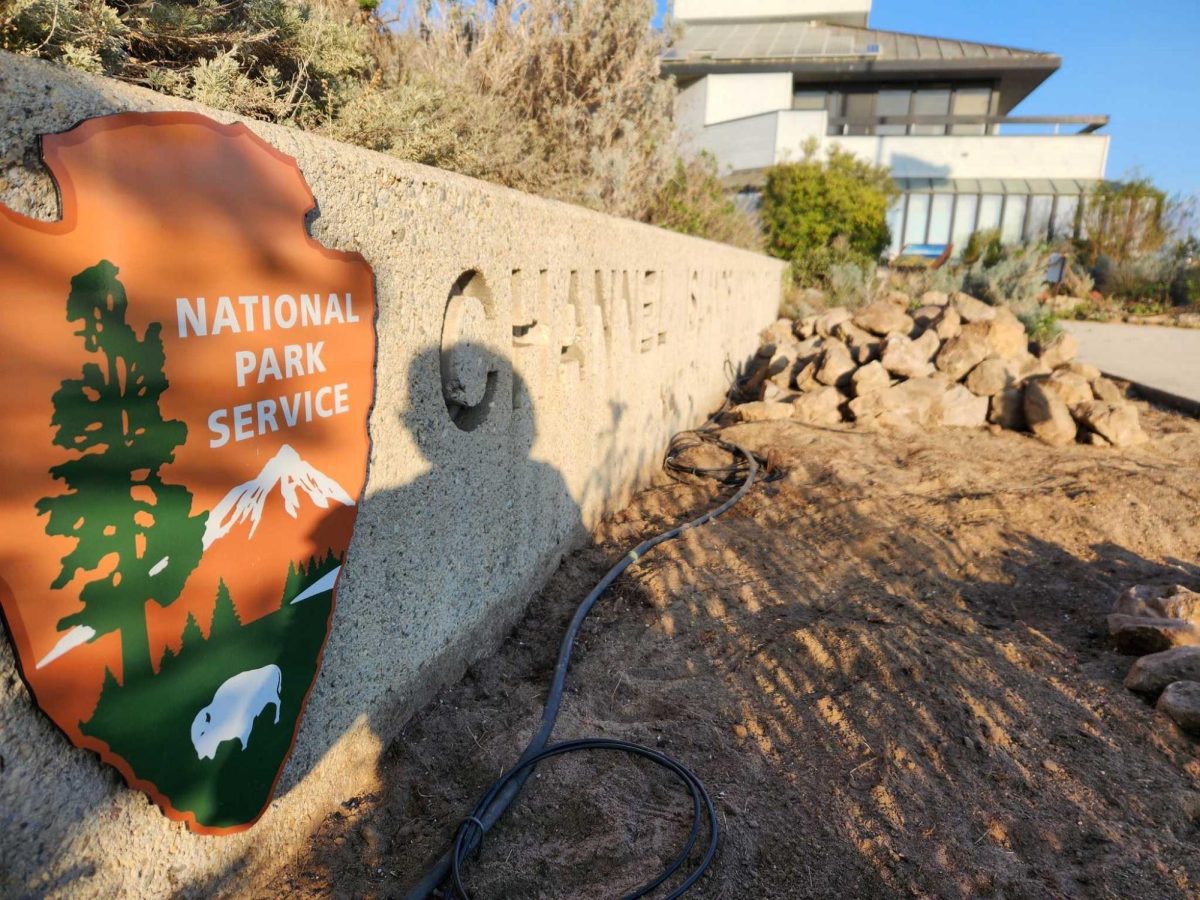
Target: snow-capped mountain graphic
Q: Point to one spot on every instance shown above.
(285, 471)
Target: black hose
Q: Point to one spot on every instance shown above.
(504, 790)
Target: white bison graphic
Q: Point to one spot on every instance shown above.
(233, 709)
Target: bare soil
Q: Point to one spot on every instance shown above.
(890, 668)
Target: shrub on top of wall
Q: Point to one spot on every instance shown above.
(818, 213)
(561, 98)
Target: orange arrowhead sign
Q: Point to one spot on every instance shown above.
(189, 379)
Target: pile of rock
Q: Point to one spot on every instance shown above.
(953, 361)
(1162, 626)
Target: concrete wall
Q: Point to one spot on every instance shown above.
(1082, 156)
(846, 12)
(633, 325)
(767, 132)
(746, 94)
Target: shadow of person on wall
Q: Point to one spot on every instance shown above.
(439, 570)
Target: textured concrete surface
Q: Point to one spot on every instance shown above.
(1164, 359)
(580, 343)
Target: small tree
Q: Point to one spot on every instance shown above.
(225, 618)
(117, 506)
(819, 212)
(1123, 220)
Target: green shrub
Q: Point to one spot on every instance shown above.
(1123, 220)
(818, 213)
(270, 59)
(983, 246)
(1017, 277)
(694, 202)
(1040, 322)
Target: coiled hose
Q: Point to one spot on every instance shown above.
(500, 795)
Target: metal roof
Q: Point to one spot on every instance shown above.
(724, 42)
(1031, 186)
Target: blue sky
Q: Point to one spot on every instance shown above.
(1137, 62)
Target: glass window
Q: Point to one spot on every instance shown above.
(989, 211)
(809, 100)
(860, 110)
(931, 103)
(965, 207)
(892, 103)
(971, 102)
(1012, 229)
(918, 219)
(940, 211)
(1064, 216)
(895, 221)
(1037, 228)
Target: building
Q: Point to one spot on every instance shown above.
(760, 78)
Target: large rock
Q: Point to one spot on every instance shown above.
(949, 325)
(1151, 674)
(935, 298)
(928, 344)
(806, 327)
(781, 371)
(863, 345)
(963, 409)
(1006, 335)
(1117, 423)
(763, 411)
(1139, 635)
(779, 332)
(821, 407)
(806, 378)
(991, 377)
(1105, 389)
(972, 310)
(916, 402)
(905, 358)
(1086, 371)
(1060, 351)
(829, 319)
(1180, 702)
(1071, 388)
(960, 355)
(1007, 409)
(928, 316)
(1030, 366)
(1047, 416)
(836, 365)
(1172, 601)
(883, 317)
(870, 379)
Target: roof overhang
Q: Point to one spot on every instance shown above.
(1016, 78)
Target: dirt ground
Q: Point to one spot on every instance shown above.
(889, 667)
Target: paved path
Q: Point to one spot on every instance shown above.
(1167, 359)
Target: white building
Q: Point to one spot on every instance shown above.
(760, 78)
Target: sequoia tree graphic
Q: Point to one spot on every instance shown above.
(116, 504)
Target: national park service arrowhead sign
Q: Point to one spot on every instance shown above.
(187, 378)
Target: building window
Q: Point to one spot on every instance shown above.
(1064, 216)
(965, 208)
(971, 102)
(935, 102)
(860, 110)
(1038, 221)
(895, 222)
(941, 210)
(990, 206)
(810, 101)
(1012, 228)
(918, 219)
(893, 103)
